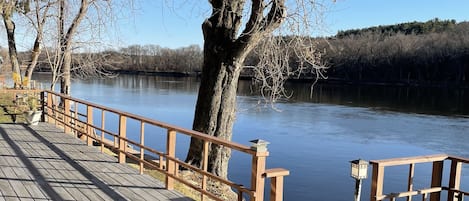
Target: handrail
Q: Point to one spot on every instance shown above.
(459, 159)
(410, 193)
(454, 191)
(192, 133)
(410, 160)
(74, 121)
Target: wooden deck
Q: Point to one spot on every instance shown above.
(42, 163)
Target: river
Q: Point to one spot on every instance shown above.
(315, 138)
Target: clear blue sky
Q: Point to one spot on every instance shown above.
(174, 24)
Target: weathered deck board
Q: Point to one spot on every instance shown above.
(43, 163)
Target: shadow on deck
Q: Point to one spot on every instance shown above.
(41, 162)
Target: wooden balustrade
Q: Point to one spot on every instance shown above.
(167, 162)
(435, 189)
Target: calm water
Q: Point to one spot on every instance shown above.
(313, 138)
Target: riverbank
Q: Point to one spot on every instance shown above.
(158, 73)
(330, 80)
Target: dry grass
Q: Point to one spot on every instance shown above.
(221, 190)
(187, 191)
(9, 111)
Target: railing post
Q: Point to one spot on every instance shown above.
(205, 168)
(122, 137)
(43, 106)
(437, 176)
(258, 168)
(410, 180)
(75, 115)
(142, 150)
(170, 164)
(454, 180)
(276, 176)
(103, 120)
(67, 128)
(461, 197)
(377, 180)
(57, 114)
(49, 108)
(89, 121)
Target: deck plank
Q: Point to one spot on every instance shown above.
(42, 163)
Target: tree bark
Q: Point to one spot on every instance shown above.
(34, 58)
(15, 66)
(224, 53)
(65, 81)
(215, 110)
(66, 45)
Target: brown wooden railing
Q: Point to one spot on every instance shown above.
(73, 121)
(434, 191)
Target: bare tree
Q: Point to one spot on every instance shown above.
(96, 65)
(66, 38)
(8, 8)
(227, 43)
(79, 25)
(37, 19)
(65, 16)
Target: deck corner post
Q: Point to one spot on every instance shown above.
(276, 189)
(437, 177)
(454, 180)
(377, 180)
(89, 121)
(170, 163)
(276, 176)
(257, 172)
(122, 137)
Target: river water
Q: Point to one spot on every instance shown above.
(315, 138)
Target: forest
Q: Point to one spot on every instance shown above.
(432, 53)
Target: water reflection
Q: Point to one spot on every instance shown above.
(142, 82)
(404, 99)
(439, 101)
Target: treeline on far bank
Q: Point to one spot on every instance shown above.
(433, 53)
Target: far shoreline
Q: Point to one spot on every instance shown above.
(331, 81)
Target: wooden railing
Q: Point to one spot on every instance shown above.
(74, 121)
(434, 191)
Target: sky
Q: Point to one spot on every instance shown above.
(177, 23)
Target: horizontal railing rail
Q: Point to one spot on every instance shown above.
(433, 191)
(81, 123)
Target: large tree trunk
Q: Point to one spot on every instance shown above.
(65, 81)
(225, 50)
(216, 108)
(15, 66)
